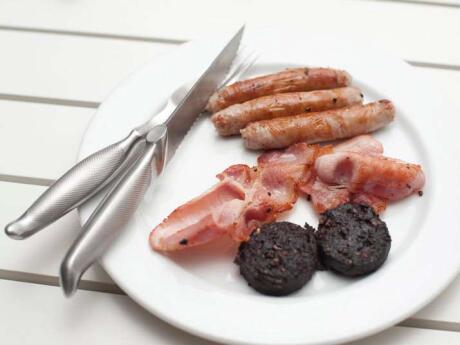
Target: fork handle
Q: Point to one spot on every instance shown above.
(112, 214)
(76, 186)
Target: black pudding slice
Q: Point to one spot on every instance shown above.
(352, 240)
(279, 258)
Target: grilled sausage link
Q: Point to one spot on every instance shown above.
(290, 80)
(317, 127)
(230, 120)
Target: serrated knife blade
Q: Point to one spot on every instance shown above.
(194, 102)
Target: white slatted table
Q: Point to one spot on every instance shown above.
(59, 59)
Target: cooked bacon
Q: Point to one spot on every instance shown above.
(297, 160)
(325, 196)
(272, 192)
(380, 176)
(361, 144)
(244, 199)
(247, 197)
(378, 204)
(202, 219)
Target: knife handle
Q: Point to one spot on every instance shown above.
(113, 213)
(75, 187)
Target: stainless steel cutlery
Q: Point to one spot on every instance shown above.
(125, 169)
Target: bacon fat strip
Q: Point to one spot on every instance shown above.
(230, 120)
(378, 204)
(200, 220)
(290, 80)
(380, 176)
(364, 143)
(318, 127)
(244, 199)
(324, 196)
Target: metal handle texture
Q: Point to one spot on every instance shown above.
(76, 186)
(112, 214)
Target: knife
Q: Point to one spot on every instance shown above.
(127, 191)
(98, 170)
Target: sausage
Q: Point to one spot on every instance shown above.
(380, 176)
(230, 120)
(317, 127)
(290, 80)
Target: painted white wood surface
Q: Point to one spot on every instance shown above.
(48, 146)
(39, 140)
(436, 2)
(74, 53)
(415, 32)
(100, 318)
(68, 67)
(41, 254)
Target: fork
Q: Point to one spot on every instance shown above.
(101, 168)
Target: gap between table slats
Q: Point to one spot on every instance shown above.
(115, 319)
(42, 279)
(380, 21)
(91, 76)
(93, 35)
(441, 3)
(68, 70)
(92, 286)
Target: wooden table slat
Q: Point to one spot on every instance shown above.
(114, 319)
(74, 53)
(40, 140)
(421, 33)
(68, 67)
(42, 253)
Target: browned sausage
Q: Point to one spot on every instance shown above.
(317, 127)
(290, 80)
(230, 120)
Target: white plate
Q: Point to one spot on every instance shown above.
(200, 290)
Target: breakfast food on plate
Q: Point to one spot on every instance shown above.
(279, 258)
(381, 176)
(289, 80)
(318, 127)
(352, 240)
(364, 143)
(244, 199)
(230, 120)
(326, 196)
(378, 204)
(349, 184)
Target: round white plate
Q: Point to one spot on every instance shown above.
(201, 291)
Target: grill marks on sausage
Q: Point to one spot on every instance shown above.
(230, 120)
(290, 80)
(319, 126)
